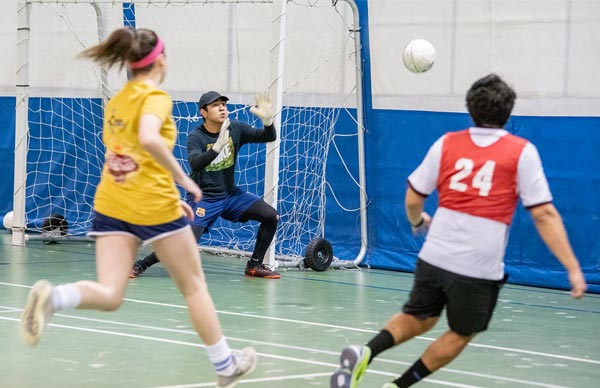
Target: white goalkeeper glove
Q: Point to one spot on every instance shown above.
(263, 108)
(223, 138)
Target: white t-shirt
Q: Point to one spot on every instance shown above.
(466, 244)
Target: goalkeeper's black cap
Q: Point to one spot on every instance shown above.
(210, 97)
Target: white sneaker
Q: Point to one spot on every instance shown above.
(389, 385)
(354, 361)
(37, 312)
(245, 362)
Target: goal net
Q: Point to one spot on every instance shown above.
(210, 45)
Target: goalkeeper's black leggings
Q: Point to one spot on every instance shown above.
(259, 211)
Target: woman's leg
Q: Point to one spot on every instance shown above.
(114, 255)
(143, 264)
(179, 254)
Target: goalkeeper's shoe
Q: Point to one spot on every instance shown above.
(245, 362)
(261, 271)
(354, 361)
(136, 270)
(37, 312)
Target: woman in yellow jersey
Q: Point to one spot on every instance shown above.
(137, 201)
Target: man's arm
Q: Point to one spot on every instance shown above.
(550, 227)
(264, 135)
(198, 156)
(421, 183)
(249, 134)
(414, 202)
(151, 140)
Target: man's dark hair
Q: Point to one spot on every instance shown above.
(490, 101)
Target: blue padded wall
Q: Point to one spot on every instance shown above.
(396, 141)
(568, 146)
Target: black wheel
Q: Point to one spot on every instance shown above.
(54, 227)
(319, 254)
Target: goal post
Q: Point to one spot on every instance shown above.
(21, 126)
(277, 60)
(305, 53)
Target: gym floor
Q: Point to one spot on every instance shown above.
(298, 325)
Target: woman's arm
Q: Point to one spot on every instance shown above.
(151, 140)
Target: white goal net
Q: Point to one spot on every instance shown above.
(210, 45)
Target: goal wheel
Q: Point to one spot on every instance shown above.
(319, 254)
(55, 226)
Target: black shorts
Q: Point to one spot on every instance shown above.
(469, 302)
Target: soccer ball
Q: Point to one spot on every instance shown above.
(7, 221)
(419, 55)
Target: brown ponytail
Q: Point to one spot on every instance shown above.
(123, 46)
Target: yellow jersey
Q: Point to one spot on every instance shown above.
(134, 187)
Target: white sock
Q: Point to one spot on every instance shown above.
(65, 295)
(221, 357)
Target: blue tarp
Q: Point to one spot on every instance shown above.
(395, 143)
(7, 153)
(568, 147)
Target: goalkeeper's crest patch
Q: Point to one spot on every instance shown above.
(200, 211)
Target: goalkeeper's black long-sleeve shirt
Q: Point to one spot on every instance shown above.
(213, 172)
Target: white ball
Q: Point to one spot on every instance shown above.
(419, 55)
(7, 221)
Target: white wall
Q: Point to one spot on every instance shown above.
(549, 50)
(216, 46)
(8, 41)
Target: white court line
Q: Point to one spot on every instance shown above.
(211, 384)
(248, 381)
(15, 285)
(6, 309)
(500, 348)
(475, 374)
(324, 351)
(515, 350)
(327, 325)
(312, 350)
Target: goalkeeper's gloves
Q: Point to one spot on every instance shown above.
(223, 138)
(263, 108)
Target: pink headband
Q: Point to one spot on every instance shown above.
(150, 58)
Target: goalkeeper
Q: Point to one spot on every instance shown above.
(212, 150)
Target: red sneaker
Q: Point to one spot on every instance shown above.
(261, 271)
